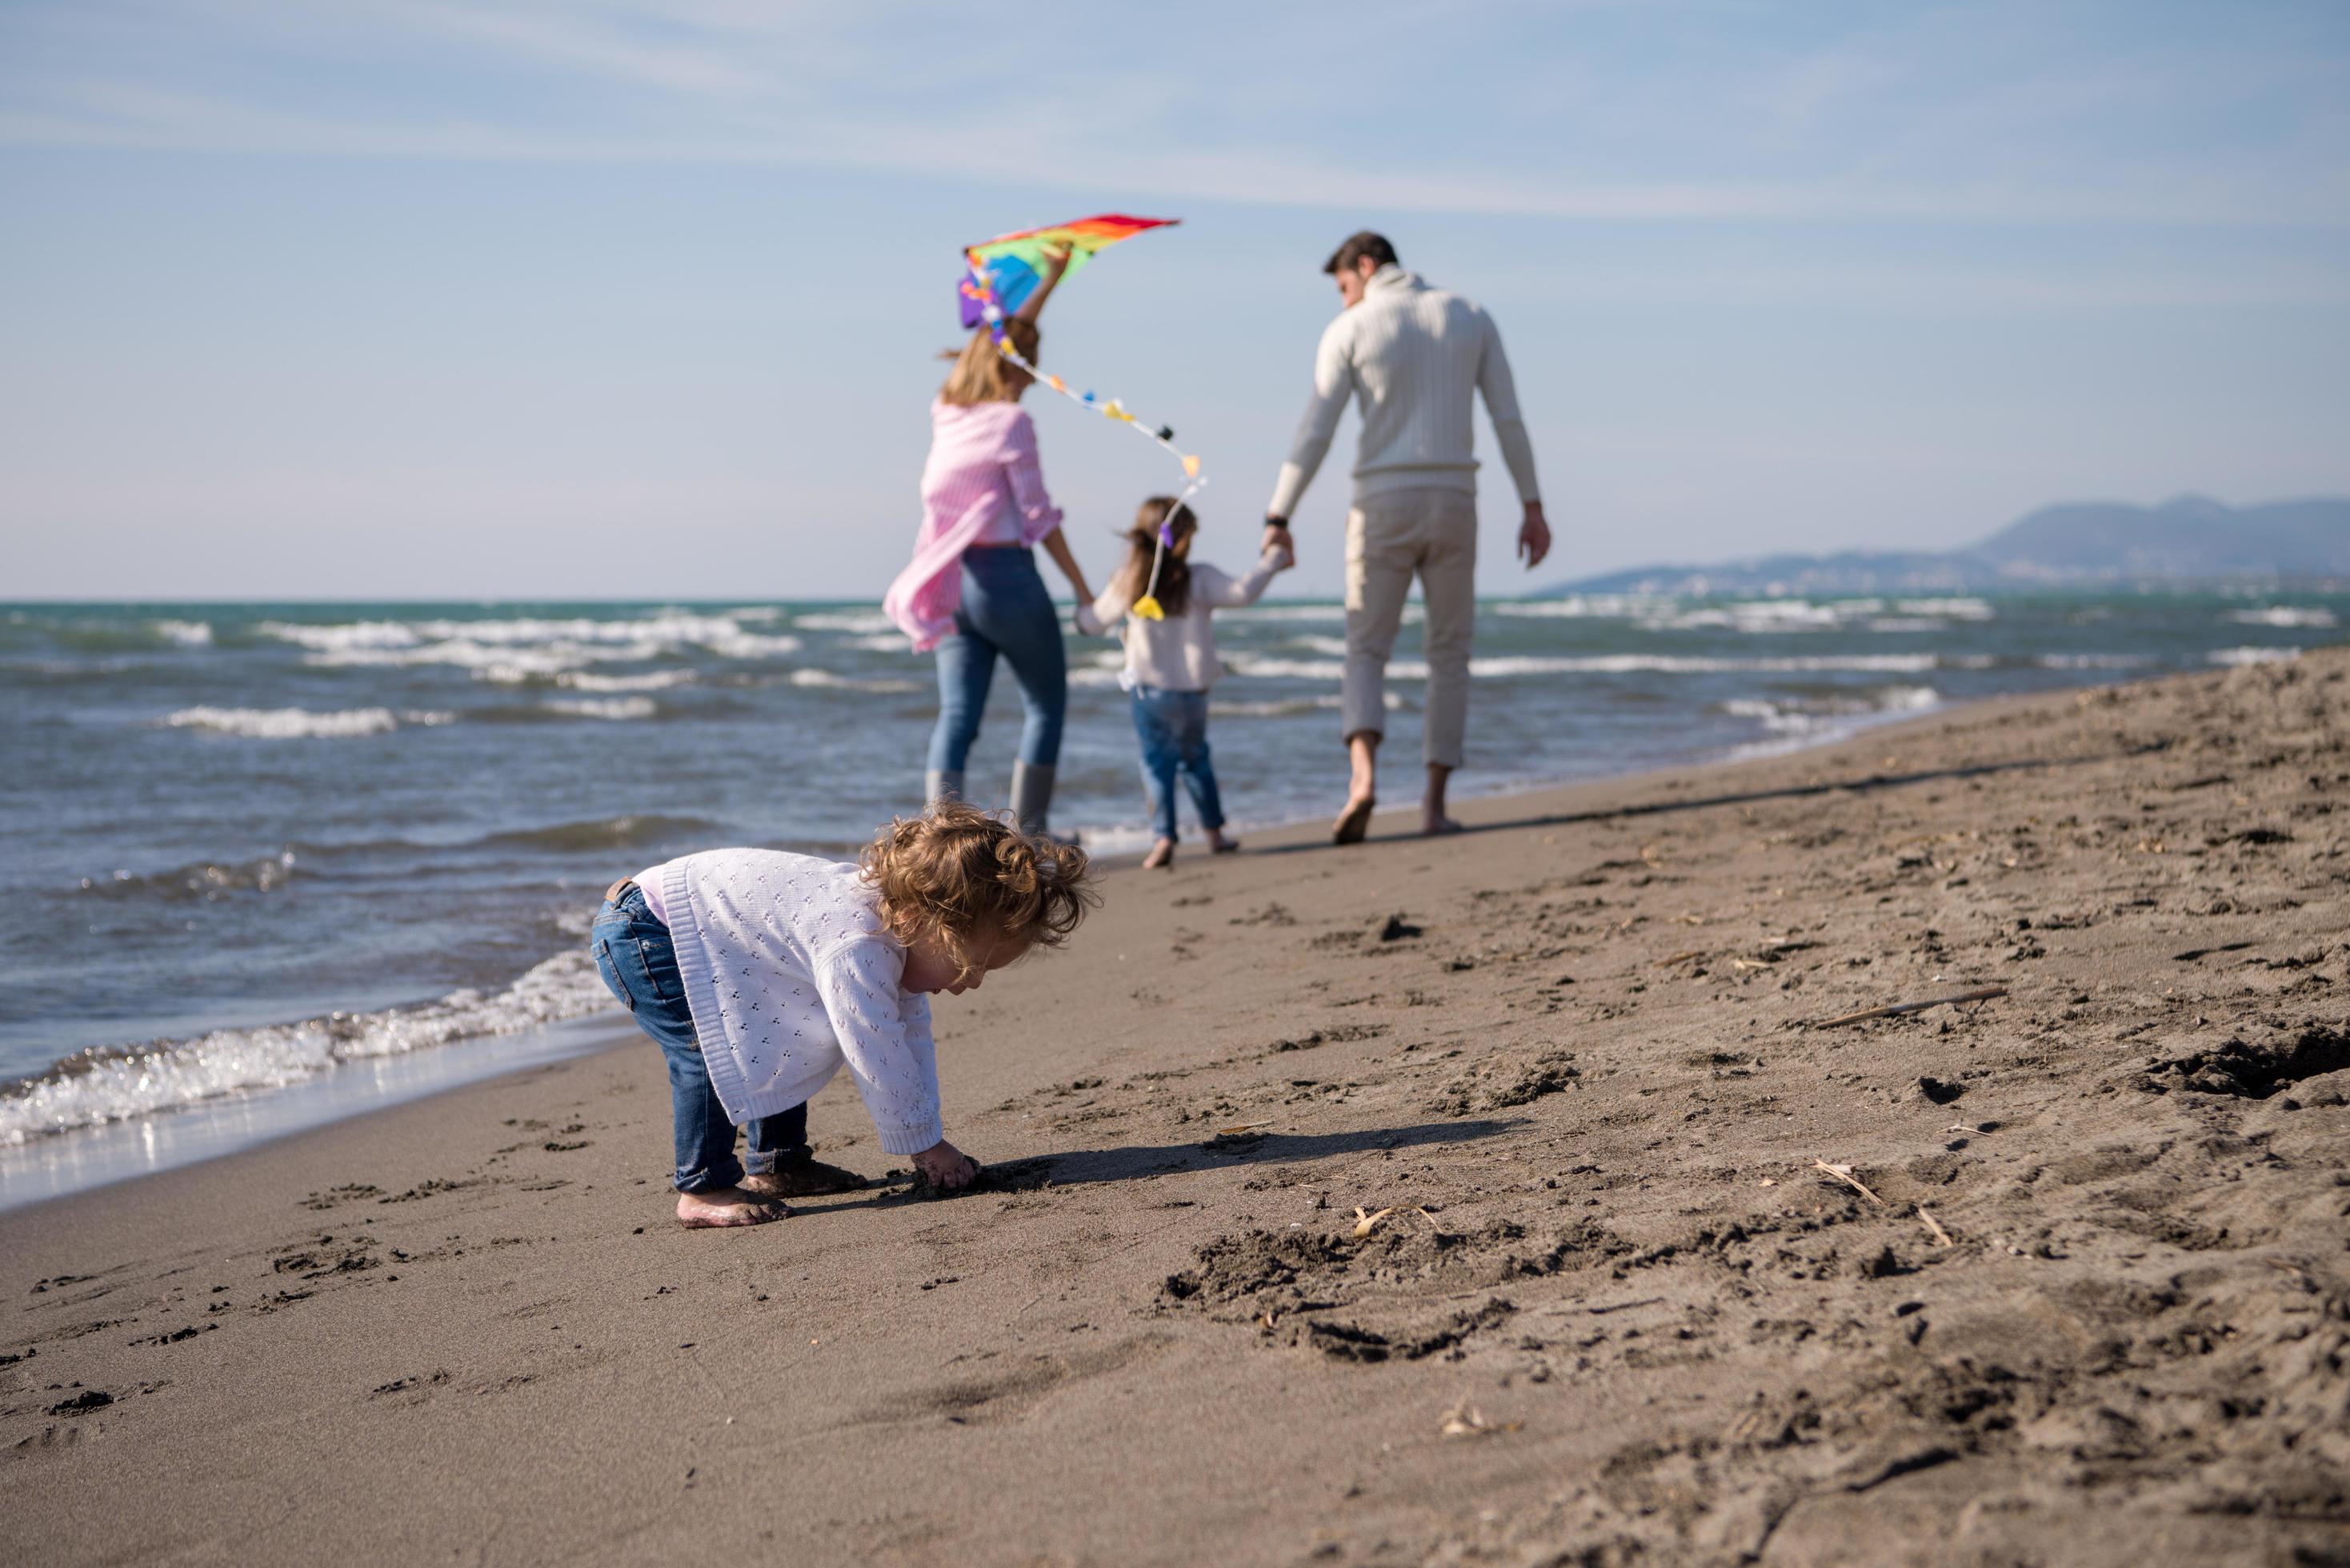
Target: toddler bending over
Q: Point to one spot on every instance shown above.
(762, 973)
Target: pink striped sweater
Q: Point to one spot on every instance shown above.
(983, 485)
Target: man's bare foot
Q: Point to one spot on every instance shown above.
(1437, 826)
(803, 1179)
(1162, 855)
(1218, 845)
(726, 1206)
(1354, 820)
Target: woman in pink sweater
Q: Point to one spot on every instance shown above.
(972, 592)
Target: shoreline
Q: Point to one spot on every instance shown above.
(1476, 1201)
(153, 1145)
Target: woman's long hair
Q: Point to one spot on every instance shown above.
(982, 375)
(1174, 588)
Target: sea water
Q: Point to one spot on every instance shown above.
(261, 865)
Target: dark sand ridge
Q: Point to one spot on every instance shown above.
(1611, 1315)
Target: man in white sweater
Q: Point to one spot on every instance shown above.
(1415, 355)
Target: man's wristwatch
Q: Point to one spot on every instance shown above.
(1280, 522)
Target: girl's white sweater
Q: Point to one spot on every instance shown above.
(791, 977)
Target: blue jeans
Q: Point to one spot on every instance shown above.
(1005, 611)
(639, 961)
(1173, 729)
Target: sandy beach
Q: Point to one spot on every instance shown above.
(1497, 1199)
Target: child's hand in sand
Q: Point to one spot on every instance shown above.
(946, 1168)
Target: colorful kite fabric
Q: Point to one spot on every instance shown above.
(1003, 271)
(1006, 268)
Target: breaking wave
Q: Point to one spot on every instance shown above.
(92, 1088)
(299, 723)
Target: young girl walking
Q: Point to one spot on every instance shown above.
(1171, 660)
(761, 974)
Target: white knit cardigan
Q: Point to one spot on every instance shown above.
(791, 976)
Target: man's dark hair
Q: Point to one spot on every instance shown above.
(1358, 245)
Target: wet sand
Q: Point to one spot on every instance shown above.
(2083, 1299)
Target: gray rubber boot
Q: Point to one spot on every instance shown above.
(938, 786)
(1031, 796)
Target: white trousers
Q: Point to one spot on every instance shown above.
(1390, 538)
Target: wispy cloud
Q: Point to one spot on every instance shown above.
(1402, 111)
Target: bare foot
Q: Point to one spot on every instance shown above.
(1161, 855)
(803, 1179)
(1437, 826)
(1218, 845)
(1354, 820)
(726, 1206)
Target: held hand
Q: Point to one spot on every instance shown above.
(1276, 536)
(1057, 261)
(946, 1168)
(1533, 536)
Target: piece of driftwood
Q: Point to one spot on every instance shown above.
(1681, 958)
(1843, 1173)
(1983, 993)
(1941, 1237)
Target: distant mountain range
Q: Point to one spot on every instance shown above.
(2192, 539)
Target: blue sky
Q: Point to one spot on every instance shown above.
(503, 298)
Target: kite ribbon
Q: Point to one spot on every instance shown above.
(1162, 436)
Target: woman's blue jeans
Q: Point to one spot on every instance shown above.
(639, 962)
(1173, 729)
(1006, 611)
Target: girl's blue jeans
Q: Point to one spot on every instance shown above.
(1173, 729)
(639, 961)
(1005, 612)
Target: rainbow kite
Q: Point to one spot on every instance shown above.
(1006, 269)
(1002, 273)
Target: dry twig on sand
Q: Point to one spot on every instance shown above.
(1983, 993)
(1843, 1173)
(1941, 1237)
(1365, 1223)
(1681, 958)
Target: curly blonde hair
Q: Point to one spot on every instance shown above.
(966, 876)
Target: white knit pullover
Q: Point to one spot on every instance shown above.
(1414, 355)
(1176, 652)
(791, 976)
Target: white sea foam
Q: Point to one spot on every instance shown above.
(863, 622)
(1811, 716)
(1580, 607)
(1327, 614)
(99, 1087)
(651, 680)
(186, 633)
(1314, 642)
(826, 678)
(299, 723)
(2237, 658)
(1290, 707)
(883, 642)
(1512, 665)
(2089, 660)
(1949, 609)
(529, 648)
(616, 709)
(2314, 617)
(1757, 616)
